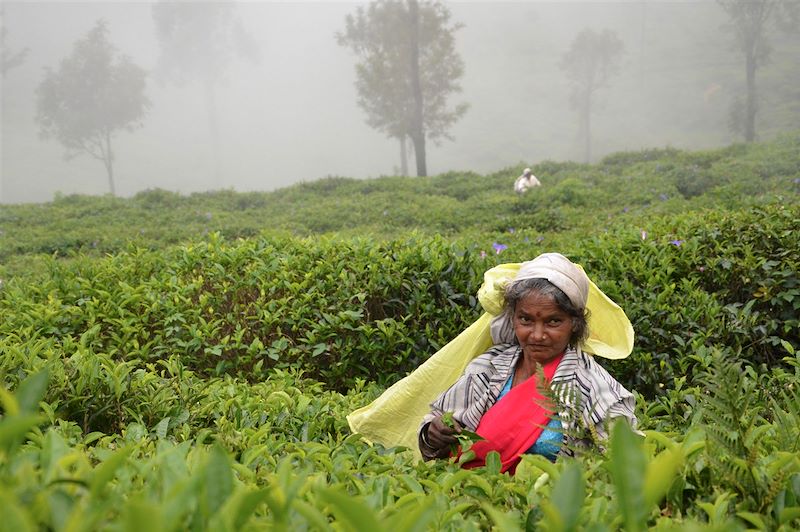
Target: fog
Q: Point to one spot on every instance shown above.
(292, 116)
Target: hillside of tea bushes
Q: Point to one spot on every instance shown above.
(187, 362)
(626, 189)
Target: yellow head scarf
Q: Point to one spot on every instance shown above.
(610, 331)
(393, 418)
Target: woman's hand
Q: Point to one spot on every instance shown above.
(441, 437)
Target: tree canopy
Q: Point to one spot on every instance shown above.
(592, 59)
(751, 21)
(408, 69)
(200, 41)
(95, 93)
(9, 58)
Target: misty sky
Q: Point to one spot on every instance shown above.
(292, 116)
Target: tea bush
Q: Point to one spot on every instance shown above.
(157, 371)
(726, 279)
(338, 309)
(221, 453)
(347, 309)
(631, 185)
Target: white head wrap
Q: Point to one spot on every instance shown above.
(558, 269)
(610, 331)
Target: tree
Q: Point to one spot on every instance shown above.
(95, 93)
(593, 58)
(751, 21)
(199, 42)
(8, 59)
(409, 67)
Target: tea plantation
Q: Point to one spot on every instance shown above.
(179, 362)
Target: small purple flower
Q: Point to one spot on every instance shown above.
(796, 180)
(644, 234)
(483, 254)
(511, 230)
(701, 268)
(539, 239)
(499, 248)
(626, 209)
(527, 240)
(663, 197)
(676, 243)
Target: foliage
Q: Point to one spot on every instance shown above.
(725, 279)
(95, 93)
(345, 309)
(337, 309)
(220, 453)
(753, 451)
(199, 40)
(188, 378)
(627, 190)
(9, 59)
(751, 22)
(592, 59)
(409, 67)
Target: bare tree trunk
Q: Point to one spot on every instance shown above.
(751, 21)
(108, 160)
(417, 129)
(403, 156)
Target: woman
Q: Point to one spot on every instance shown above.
(538, 343)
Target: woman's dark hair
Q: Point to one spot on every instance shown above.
(516, 290)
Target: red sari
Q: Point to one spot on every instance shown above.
(514, 423)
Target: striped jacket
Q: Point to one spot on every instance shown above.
(586, 394)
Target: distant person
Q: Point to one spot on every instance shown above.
(525, 181)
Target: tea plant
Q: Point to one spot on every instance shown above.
(628, 188)
(158, 371)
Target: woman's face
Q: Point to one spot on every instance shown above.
(542, 328)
